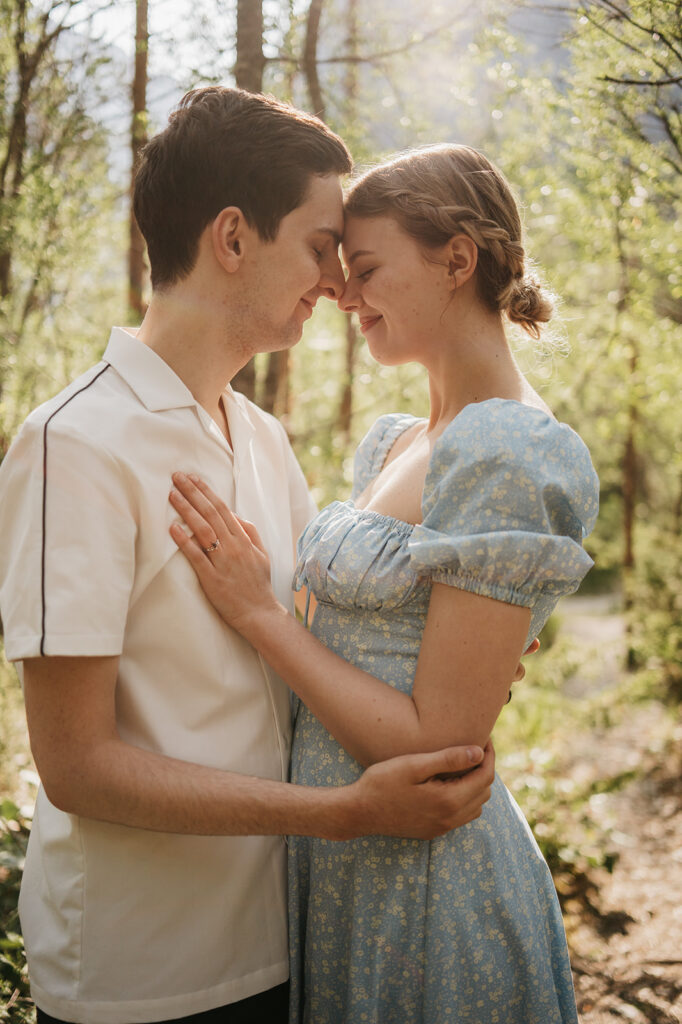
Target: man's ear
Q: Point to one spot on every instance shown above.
(461, 257)
(228, 234)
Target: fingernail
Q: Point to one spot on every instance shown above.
(179, 476)
(193, 478)
(474, 754)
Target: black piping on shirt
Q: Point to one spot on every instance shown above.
(42, 559)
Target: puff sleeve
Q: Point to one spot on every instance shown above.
(508, 498)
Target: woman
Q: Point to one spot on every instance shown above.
(462, 533)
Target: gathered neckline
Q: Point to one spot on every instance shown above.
(367, 513)
(371, 513)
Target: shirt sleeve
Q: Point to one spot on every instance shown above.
(509, 495)
(67, 549)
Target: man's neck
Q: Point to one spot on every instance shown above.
(180, 332)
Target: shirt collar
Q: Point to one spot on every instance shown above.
(155, 384)
(158, 386)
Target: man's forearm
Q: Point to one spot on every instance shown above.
(126, 785)
(401, 797)
(88, 770)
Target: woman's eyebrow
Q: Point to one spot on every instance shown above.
(357, 253)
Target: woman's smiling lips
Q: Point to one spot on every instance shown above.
(366, 322)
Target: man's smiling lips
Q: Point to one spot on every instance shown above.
(367, 322)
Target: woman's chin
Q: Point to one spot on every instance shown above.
(384, 358)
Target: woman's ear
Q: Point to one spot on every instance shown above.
(461, 257)
(228, 234)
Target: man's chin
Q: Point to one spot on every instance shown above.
(291, 337)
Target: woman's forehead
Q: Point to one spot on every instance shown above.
(366, 232)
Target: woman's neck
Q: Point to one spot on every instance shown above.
(472, 364)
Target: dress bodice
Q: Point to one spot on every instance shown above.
(508, 496)
(356, 558)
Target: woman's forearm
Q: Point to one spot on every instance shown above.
(369, 718)
(469, 654)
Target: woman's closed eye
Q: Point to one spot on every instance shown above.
(365, 275)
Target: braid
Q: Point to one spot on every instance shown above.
(421, 190)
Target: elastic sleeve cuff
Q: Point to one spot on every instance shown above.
(485, 588)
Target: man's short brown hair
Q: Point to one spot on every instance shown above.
(226, 147)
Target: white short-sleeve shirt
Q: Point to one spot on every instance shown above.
(122, 924)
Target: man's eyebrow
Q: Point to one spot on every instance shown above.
(356, 254)
(335, 235)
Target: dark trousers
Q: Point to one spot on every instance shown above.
(271, 1007)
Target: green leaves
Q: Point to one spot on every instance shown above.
(57, 215)
(15, 1002)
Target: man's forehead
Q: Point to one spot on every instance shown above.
(322, 208)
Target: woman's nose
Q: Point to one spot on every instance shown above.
(349, 299)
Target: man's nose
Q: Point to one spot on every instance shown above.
(332, 280)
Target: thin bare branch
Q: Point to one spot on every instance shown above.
(370, 58)
(627, 45)
(643, 83)
(649, 30)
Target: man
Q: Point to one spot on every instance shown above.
(154, 886)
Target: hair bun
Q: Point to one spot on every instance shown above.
(529, 305)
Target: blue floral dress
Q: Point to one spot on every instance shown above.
(466, 928)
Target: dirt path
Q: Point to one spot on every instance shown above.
(628, 955)
(625, 932)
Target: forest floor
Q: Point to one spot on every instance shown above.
(625, 927)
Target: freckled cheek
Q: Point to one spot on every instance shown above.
(405, 302)
(386, 295)
(415, 303)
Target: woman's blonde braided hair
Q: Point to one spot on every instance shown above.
(440, 191)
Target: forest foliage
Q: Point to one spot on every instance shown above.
(579, 102)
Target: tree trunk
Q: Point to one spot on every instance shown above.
(345, 413)
(12, 169)
(250, 63)
(630, 472)
(29, 63)
(630, 496)
(138, 138)
(276, 388)
(248, 74)
(310, 58)
(629, 463)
